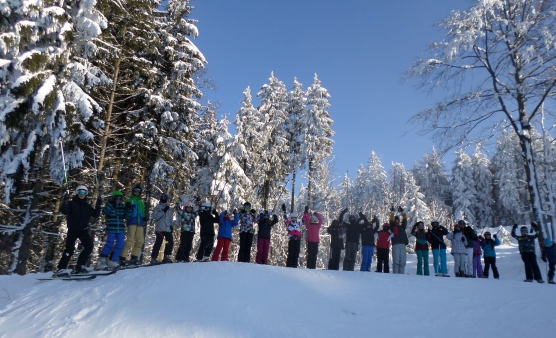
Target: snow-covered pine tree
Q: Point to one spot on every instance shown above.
(417, 209)
(317, 136)
(432, 180)
(45, 77)
(482, 179)
(358, 190)
(397, 183)
(377, 190)
(463, 188)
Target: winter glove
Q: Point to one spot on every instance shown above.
(66, 198)
(99, 200)
(495, 236)
(284, 207)
(400, 209)
(392, 209)
(534, 225)
(345, 210)
(481, 238)
(463, 239)
(544, 259)
(515, 226)
(198, 200)
(234, 211)
(306, 209)
(253, 211)
(146, 219)
(129, 205)
(166, 208)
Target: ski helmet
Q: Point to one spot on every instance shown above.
(293, 215)
(523, 228)
(188, 204)
(206, 206)
(163, 197)
(314, 220)
(247, 206)
(435, 222)
(81, 190)
(461, 222)
(547, 242)
(137, 188)
(487, 233)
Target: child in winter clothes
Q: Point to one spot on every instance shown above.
(336, 232)
(294, 237)
(527, 250)
(421, 247)
(477, 267)
(549, 254)
(247, 220)
(471, 236)
(368, 241)
(115, 213)
(399, 241)
(353, 232)
(383, 249)
(225, 226)
(439, 248)
(313, 223)
(459, 250)
(164, 218)
(186, 218)
(263, 236)
(207, 218)
(135, 234)
(489, 253)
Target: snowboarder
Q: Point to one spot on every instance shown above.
(489, 253)
(313, 223)
(470, 236)
(115, 214)
(336, 232)
(527, 250)
(438, 248)
(207, 218)
(186, 217)
(135, 234)
(421, 247)
(368, 241)
(266, 221)
(247, 220)
(549, 254)
(294, 238)
(458, 249)
(78, 212)
(353, 232)
(163, 216)
(383, 248)
(225, 225)
(399, 240)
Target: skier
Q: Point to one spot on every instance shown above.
(294, 238)
(78, 212)
(383, 248)
(549, 254)
(225, 226)
(186, 217)
(471, 236)
(477, 252)
(489, 255)
(207, 220)
(135, 235)
(263, 236)
(353, 232)
(439, 248)
(115, 214)
(458, 249)
(313, 223)
(527, 250)
(421, 247)
(247, 220)
(336, 232)
(368, 241)
(399, 241)
(163, 216)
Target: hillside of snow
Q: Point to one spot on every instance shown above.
(225, 299)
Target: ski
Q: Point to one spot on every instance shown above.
(74, 277)
(95, 273)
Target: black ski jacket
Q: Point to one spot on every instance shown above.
(265, 225)
(207, 221)
(79, 212)
(368, 233)
(437, 237)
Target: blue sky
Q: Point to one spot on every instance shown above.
(358, 48)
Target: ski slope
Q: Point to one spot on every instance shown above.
(224, 299)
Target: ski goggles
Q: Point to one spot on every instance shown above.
(247, 208)
(82, 192)
(118, 197)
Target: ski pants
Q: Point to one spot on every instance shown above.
(382, 260)
(205, 247)
(399, 258)
(222, 245)
(477, 266)
(334, 260)
(312, 251)
(351, 255)
(160, 236)
(367, 257)
(491, 261)
(186, 243)
(439, 267)
(459, 263)
(469, 261)
(532, 270)
(263, 245)
(135, 237)
(109, 246)
(551, 265)
(245, 243)
(293, 253)
(86, 242)
(422, 262)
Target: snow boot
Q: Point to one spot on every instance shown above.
(101, 263)
(133, 260)
(540, 281)
(82, 269)
(206, 259)
(62, 273)
(123, 261)
(154, 261)
(112, 264)
(167, 259)
(528, 280)
(551, 281)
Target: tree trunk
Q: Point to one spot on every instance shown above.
(310, 184)
(292, 205)
(266, 194)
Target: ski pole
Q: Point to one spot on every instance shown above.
(95, 164)
(64, 164)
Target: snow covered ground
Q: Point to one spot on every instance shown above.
(224, 299)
